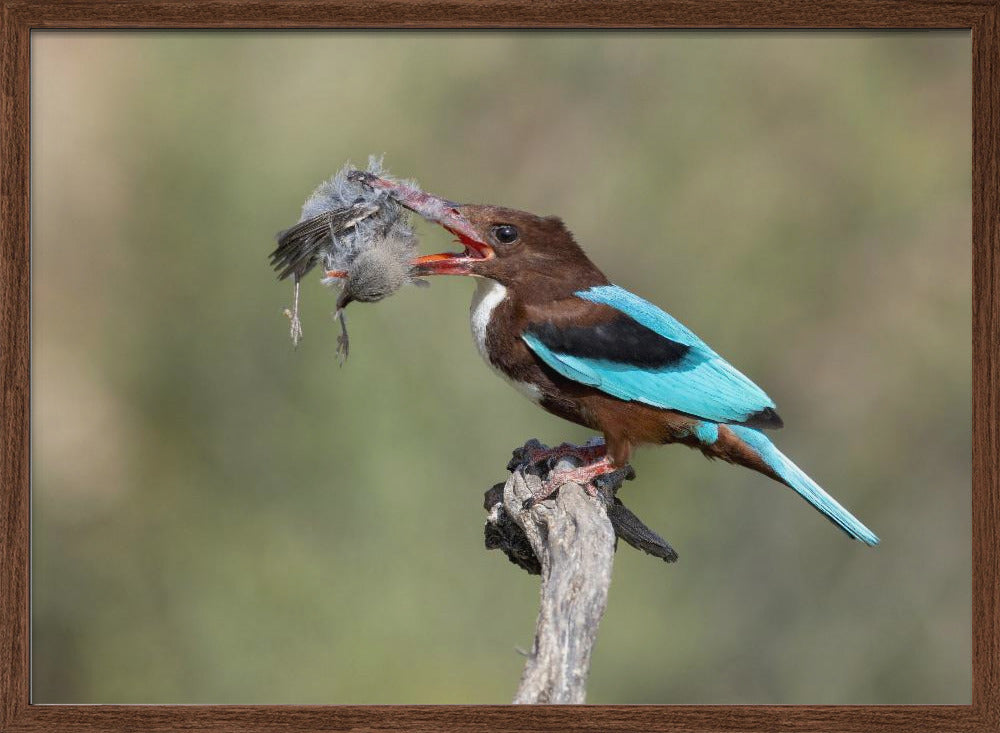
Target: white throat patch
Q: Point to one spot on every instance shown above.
(489, 294)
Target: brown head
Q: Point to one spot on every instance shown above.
(510, 246)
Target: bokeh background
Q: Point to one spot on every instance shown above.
(219, 518)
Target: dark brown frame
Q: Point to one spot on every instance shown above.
(20, 17)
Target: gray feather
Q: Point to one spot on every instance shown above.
(349, 227)
(339, 220)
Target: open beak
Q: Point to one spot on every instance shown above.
(440, 211)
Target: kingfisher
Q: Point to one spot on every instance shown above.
(551, 324)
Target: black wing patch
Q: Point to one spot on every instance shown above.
(622, 340)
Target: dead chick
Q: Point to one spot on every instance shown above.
(374, 274)
(359, 234)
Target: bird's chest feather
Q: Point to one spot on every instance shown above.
(496, 343)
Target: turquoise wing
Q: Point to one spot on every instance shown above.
(701, 383)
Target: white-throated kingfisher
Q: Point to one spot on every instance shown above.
(548, 321)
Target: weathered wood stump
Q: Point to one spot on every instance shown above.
(570, 540)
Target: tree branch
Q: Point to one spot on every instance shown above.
(573, 538)
(570, 540)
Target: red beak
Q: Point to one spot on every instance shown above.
(440, 211)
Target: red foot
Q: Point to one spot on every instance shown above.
(582, 475)
(584, 453)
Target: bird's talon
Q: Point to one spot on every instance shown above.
(520, 457)
(539, 455)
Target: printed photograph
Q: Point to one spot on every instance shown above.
(336, 334)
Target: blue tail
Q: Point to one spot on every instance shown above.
(805, 486)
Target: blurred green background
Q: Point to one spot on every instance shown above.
(219, 518)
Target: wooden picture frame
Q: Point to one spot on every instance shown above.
(20, 17)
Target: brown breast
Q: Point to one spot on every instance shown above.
(498, 318)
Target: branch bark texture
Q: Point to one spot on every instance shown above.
(574, 542)
(569, 539)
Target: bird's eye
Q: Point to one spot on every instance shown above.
(505, 233)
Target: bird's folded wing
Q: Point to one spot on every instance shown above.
(298, 246)
(630, 349)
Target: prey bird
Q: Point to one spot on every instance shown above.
(549, 322)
